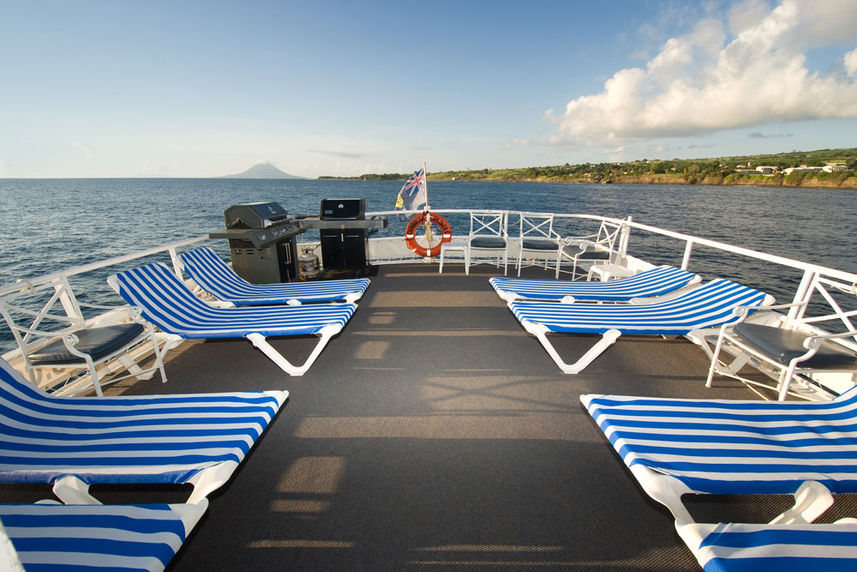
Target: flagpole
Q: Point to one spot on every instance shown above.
(426, 210)
(425, 178)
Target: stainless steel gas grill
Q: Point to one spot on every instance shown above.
(262, 242)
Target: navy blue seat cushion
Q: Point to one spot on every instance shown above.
(488, 242)
(97, 342)
(785, 345)
(539, 244)
(572, 251)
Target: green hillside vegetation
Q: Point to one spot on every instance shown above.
(737, 170)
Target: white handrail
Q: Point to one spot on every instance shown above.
(24, 284)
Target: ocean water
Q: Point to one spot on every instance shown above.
(51, 224)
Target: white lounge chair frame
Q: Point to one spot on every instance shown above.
(35, 321)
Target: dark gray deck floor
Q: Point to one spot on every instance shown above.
(433, 434)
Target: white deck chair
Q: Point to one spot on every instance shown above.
(708, 306)
(50, 340)
(166, 302)
(655, 282)
(488, 236)
(48, 536)
(538, 240)
(790, 352)
(73, 442)
(218, 279)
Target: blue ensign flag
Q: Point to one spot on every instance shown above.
(412, 196)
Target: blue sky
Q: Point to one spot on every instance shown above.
(207, 88)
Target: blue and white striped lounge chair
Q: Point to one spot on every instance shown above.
(708, 306)
(728, 547)
(72, 442)
(655, 282)
(680, 446)
(218, 279)
(167, 303)
(58, 537)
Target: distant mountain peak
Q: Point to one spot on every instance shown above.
(262, 170)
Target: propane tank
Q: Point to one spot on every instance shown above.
(309, 264)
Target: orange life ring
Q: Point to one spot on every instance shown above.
(433, 219)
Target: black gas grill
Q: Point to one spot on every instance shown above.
(262, 242)
(263, 246)
(343, 246)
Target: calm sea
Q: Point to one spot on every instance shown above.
(52, 224)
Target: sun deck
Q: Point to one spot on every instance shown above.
(433, 433)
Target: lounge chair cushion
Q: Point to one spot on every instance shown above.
(98, 537)
(655, 282)
(97, 342)
(573, 251)
(487, 242)
(785, 345)
(735, 446)
(741, 547)
(125, 439)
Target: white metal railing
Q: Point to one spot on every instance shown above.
(818, 283)
(83, 269)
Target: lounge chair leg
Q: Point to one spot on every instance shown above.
(811, 500)
(209, 480)
(608, 338)
(71, 490)
(260, 342)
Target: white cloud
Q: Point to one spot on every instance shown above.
(747, 69)
(851, 62)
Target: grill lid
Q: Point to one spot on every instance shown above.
(254, 215)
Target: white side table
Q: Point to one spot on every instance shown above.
(454, 246)
(607, 272)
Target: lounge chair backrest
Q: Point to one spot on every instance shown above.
(211, 273)
(216, 277)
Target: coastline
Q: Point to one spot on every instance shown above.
(663, 179)
(736, 180)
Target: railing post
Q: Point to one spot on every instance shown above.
(802, 295)
(625, 238)
(68, 301)
(177, 267)
(685, 261)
